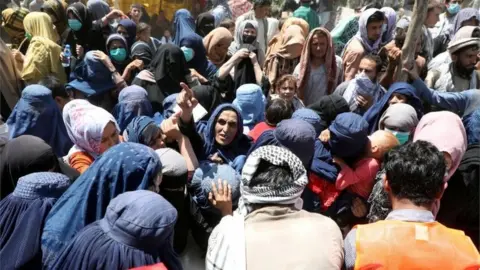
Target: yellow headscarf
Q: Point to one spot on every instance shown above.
(39, 24)
(10, 76)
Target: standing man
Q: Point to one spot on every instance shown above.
(259, 13)
(366, 41)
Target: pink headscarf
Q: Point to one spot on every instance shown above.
(445, 130)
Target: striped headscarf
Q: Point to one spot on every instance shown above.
(13, 24)
(262, 193)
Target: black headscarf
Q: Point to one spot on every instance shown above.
(205, 24)
(208, 98)
(169, 68)
(90, 36)
(24, 155)
(141, 50)
(328, 107)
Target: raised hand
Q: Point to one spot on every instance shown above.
(221, 197)
(186, 101)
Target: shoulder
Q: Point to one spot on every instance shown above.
(354, 47)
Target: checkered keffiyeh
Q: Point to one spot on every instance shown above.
(260, 194)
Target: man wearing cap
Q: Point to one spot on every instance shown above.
(460, 74)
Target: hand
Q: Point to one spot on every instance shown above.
(186, 101)
(359, 209)
(104, 59)
(240, 55)
(221, 198)
(412, 73)
(339, 161)
(115, 13)
(80, 51)
(364, 102)
(18, 56)
(216, 159)
(136, 64)
(170, 128)
(324, 136)
(253, 58)
(394, 56)
(197, 75)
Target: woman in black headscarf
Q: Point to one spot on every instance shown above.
(205, 24)
(24, 155)
(167, 70)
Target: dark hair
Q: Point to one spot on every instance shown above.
(375, 58)
(262, 3)
(290, 5)
(142, 27)
(461, 50)
(415, 172)
(476, 33)
(272, 176)
(377, 16)
(227, 23)
(277, 110)
(57, 88)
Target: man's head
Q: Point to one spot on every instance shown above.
(318, 45)
(380, 142)
(371, 66)
(59, 92)
(261, 8)
(433, 13)
(374, 26)
(465, 59)
(414, 174)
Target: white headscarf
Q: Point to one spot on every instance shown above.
(85, 124)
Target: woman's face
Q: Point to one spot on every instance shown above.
(397, 98)
(249, 32)
(226, 127)
(221, 48)
(121, 30)
(109, 137)
(116, 44)
(287, 90)
(71, 16)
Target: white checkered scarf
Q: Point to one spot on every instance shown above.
(288, 194)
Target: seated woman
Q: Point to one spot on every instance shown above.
(28, 154)
(132, 102)
(196, 57)
(136, 230)
(43, 55)
(216, 43)
(37, 114)
(276, 110)
(92, 130)
(286, 88)
(286, 56)
(401, 120)
(125, 167)
(26, 210)
(251, 102)
(397, 93)
(119, 53)
(221, 140)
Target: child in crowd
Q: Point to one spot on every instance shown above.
(167, 37)
(286, 88)
(276, 110)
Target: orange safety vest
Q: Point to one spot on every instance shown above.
(393, 244)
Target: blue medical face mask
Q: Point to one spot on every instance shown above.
(74, 24)
(119, 54)
(453, 8)
(188, 52)
(402, 137)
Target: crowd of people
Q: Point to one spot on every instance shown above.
(274, 142)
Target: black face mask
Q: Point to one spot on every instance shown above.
(248, 39)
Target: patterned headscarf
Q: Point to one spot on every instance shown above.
(85, 124)
(330, 63)
(261, 193)
(13, 24)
